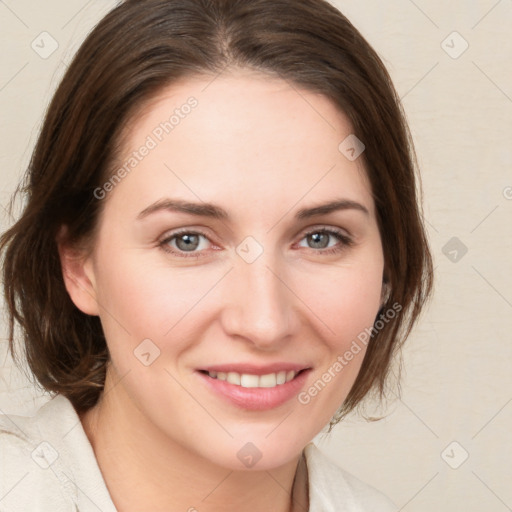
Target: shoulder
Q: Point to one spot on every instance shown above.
(29, 457)
(331, 488)
(21, 432)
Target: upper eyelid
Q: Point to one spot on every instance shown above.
(305, 232)
(333, 229)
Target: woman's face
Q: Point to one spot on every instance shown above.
(214, 254)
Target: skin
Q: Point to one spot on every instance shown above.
(262, 150)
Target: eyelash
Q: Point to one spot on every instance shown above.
(345, 240)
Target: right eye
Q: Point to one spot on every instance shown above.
(184, 243)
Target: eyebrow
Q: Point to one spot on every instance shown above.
(216, 212)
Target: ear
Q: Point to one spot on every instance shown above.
(384, 295)
(78, 274)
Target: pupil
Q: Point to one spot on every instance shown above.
(188, 242)
(316, 238)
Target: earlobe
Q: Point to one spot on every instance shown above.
(385, 293)
(78, 276)
(384, 297)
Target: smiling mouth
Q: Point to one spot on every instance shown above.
(247, 380)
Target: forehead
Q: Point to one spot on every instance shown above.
(241, 135)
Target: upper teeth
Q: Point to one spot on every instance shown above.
(255, 381)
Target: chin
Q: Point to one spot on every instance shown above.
(259, 452)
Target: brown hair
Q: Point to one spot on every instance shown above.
(141, 47)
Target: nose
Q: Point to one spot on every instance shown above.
(260, 305)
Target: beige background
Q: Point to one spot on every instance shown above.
(458, 380)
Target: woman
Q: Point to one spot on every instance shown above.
(220, 253)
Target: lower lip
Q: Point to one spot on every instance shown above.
(256, 399)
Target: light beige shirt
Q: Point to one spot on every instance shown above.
(47, 464)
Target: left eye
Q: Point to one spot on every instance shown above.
(320, 237)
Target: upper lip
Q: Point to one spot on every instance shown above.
(253, 369)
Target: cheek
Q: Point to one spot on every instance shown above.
(347, 303)
(348, 300)
(143, 301)
(353, 315)
(327, 390)
(359, 303)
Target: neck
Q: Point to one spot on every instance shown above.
(143, 468)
